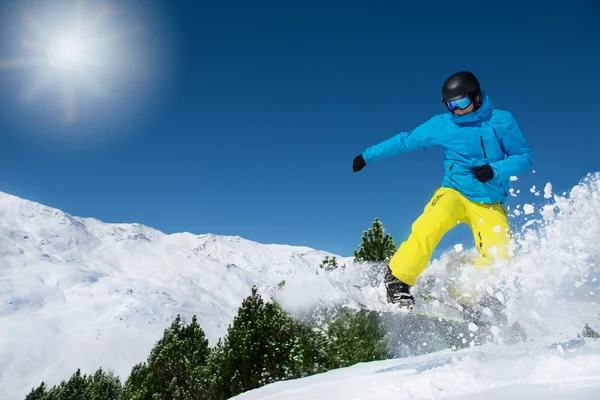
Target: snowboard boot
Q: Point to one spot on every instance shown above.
(399, 293)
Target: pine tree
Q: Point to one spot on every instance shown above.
(38, 393)
(263, 345)
(100, 386)
(588, 332)
(329, 264)
(137, 386)
(355, 336)
(376, 245)
(176, 368)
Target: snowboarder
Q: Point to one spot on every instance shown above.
(483, 148)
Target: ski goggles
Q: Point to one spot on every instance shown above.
(461, 103)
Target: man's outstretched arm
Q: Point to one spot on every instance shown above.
(423, 135)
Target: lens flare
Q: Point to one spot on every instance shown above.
(64, 54)
(76, 48)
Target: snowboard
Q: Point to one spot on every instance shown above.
(484, 322)
(431, 324)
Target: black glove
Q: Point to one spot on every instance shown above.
(359, 163)
(484, 173)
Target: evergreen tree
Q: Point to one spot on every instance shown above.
(376, 245)
(39, 393)
(137, 386)
(74, 388)
(176, 368)
(355, 336)
(263, 345)
(329, 264)
(588, 332)
(100, 386)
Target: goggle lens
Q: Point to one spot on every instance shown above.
(460, 103)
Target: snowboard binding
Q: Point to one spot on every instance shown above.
(398, 293)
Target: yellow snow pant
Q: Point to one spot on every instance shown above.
(448, 208)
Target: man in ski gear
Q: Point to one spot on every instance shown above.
(483, 148)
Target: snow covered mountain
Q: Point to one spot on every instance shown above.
(76, 292)
(80, 293)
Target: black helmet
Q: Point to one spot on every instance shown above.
(462, 84)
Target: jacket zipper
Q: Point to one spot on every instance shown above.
(485, 156)
(483, 147)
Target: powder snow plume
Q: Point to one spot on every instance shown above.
(553, 283)
(551, 286)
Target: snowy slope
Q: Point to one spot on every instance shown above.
(76, 292)
(80, 293)
(540, 370)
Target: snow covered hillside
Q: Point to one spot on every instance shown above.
(79, 293)
(76, 292)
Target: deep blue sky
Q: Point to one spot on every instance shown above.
(250, 113)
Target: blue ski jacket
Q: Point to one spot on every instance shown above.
(485, 136)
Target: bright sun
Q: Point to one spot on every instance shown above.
(65, 54)
(71, 50)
